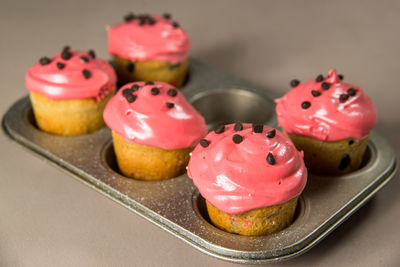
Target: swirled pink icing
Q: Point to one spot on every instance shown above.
(64, 79)
(152, 115)
(161, 40)
(237, 177)
(342, 111)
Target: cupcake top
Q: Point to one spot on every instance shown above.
(240, 167)
(154, 114)
(146, 37)
(326, 109)
(71, 75)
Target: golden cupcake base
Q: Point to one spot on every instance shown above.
(150, 70)
(149, 163)
(255, 222)
(68, 117)
(331, 158)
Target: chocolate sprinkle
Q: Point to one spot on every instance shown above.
(44, 61)
(294, 83)
(341, 76)
(155, 91)
(130, 98)
(319, 78)
(204, 143)
(86, 73)
(129, 17)
(85, 59)
(351, 92)
(135, 87)
(237, 138)
(258, 128)
(326, 86)
(305, 105)
(315, 93)
(60, 65)
(175, 24)
(344, 162)
(343, 97)
(271, 134)
(238, 127)
(351, 142)
(92, 54)
(220, 129)
(130, 67)
(172, 92)
(271, 159)
(167, 15)
(152, 21)
(170, 105)
(149, 83)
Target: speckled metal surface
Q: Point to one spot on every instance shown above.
(176, 206)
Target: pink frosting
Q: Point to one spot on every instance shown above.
(64, 79)
(160, 120)
(238, 177)
(161, 41)
(340, 112)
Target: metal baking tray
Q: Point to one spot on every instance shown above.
(176, 206)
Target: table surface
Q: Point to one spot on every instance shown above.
(50, 219)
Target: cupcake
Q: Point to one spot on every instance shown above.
(251, 177)
(154, 129)
(329, 120)
(69, 91)
(149, 48)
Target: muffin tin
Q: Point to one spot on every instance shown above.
(176, 206)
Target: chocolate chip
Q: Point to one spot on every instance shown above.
(175, 24)
(155, 91)
(44, 61)
(237, 138)
(167, 15)
(92, 54)
(170, 105)
(326, 86)
(66, 54)
(258, 128)
(86, 73)
(271, 159)
(204, 143)
(66, 48)
(351, 142)
(149, 83)
(351, 92)
(130, 67)
(152, 21)
(172, 92)
(271, 134)
(319, 78)
(220, 129)
(341, 76)
(129, 17)
(60, 65)
(343, 97)
(85, 59)
(130, 98)
(344, 162)
(305, 105)
(315, 93)
(127, 91)
(238, 127)
(135, 87)
(142, 21)
(294, 83)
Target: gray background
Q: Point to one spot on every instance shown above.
(49, 219)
